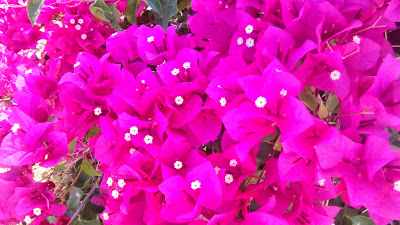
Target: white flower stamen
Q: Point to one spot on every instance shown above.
(77, 64)
(28, 220)
(261, 102)
(321, 182)
(233, 162)
(239, 41)
(195, 185)
(109, 181)
(83, 36)
(186, 65)
(228, 178)
(127, 137)
(217, 169)
(179, 100)
(222, 101)
(178, 165)
(150, 39)
(97, 111)
(37, 211)
(134, 130)
(283, 92)
(121, 183)
(175, 71)
(356, 39)
(148, 139)
(115, 194)
(132, 150)
(105, 216)
(80, 21)
(78, 27)
(72, 21)
(250, 42)
(15, 127)
(249, 28)
(4, 170)
(397, 185)
(335, 75)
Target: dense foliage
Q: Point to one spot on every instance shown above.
(202, 112)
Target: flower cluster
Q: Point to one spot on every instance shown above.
(261, 114)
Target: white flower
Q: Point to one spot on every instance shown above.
(217, 169)
(115, 194)
(233, 162)
(127, 137)
(83, 36)
(278, 70)
(15, 127)
(179, 100)
(78, 27)
(250, 42)
(72, 21)
(249, 28)
(37, 211)
(150, 39)
(356, 39)
(283, 92)
(121, 183)
(175, 71)
(148, 139)
(97, 111)
(186, 65)
(77, 64)
(132, 150)
(28, 71)
(239, 41)
(195, 185)
(335, 75)
(28, 220)
(4, 170)
(105, 216)
(261, 102)
(134, 130)
(178, 165)
(222, 101)
(143, 81)
(109, 181)
(228, 178)
(80, 21)
(397, 185)
(321, 182)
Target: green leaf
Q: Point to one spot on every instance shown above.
(115, 16)
(322, 112)
(309, 100)
(155, 5)
(278, 144)
(104, 12)
(268, 138)
(74, 200)
(332, 102)
(88, 168)
(72, 145)
(361, 220)
(59, 168)
(33, 8)
(95, 130)
(183, 4)
(131, 8)
(86, 222)
(169, 9)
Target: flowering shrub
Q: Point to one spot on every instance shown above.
(201, 112)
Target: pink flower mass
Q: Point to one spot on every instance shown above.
(223, 112)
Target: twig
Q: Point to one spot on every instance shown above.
(85, 200)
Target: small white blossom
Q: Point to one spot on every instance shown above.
(28, 219)
(15, 127)
(148, 139)
(97, 111)
(150, 39)
(228, 178)
(77, 64)
(178, 165)
(127, 137)
(78, 27)
(115, 194)
(239, 41)
(105, 216)
(222, 101)
(175, 71)
(397, 185)
(4, 170)
(37, 211)
(249, 28)
(83, 36)
(143, 81)
(121, 183)
(186, 65)
(261, 102)
(335, 75)
(249, 42)
(179, 100)
(132, 150)
(109, 181)
(80, 21)
(195, 185)
(72, 21)
(134, 130)
(28, 71)
(321, 182)
(217, 169)
(283, 92)
(356, 39)
(233, 162)
(278, 70)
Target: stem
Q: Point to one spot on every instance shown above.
(72, 184)
(343, 214)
